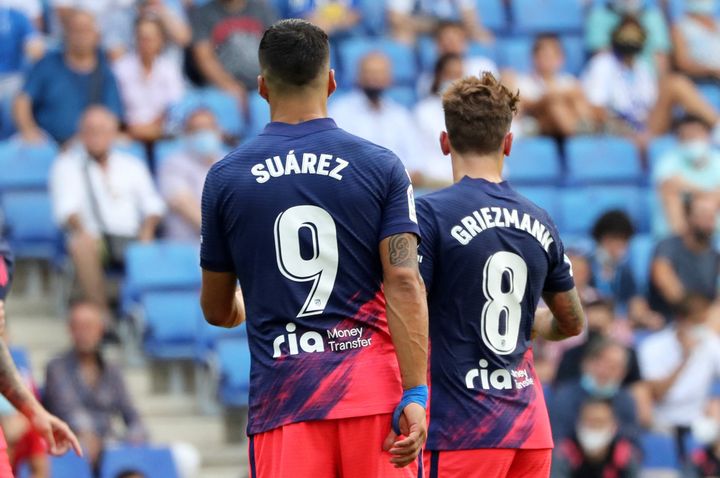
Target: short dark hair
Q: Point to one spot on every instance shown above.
(613, 223)
(293, 53)
(546, 37)
(443, 25)
(478, 113)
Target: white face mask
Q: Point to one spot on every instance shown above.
(594, 439)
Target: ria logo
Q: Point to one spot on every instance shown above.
(499, 379)
(310, 342)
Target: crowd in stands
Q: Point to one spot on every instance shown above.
(134, 96)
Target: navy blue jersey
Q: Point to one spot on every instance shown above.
(486, 257)
(298, 214)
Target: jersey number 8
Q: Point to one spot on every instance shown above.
(322, 265)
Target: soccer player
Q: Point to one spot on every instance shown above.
(488, 255)
(319, 227)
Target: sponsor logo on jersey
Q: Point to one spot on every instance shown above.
(336, 340)
(498, 379)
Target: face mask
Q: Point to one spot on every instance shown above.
(590, 385)
(695, 152)
(625, 50)
(204, 143)
(627, 7)
(705, 430)
(700, 7)
(594, 439)
(373, 94)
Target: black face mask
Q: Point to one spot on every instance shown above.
(373, 94)
(625, 50)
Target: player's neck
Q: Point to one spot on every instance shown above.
(297, 110)
(475, 166)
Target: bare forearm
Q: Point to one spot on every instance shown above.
(147, 232)
(212, 69)
(567, 319)
(23, 113)
(188, 207)
(12, 386)
(178, 31)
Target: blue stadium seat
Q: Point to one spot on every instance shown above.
(534, 161)
(547, 198)
(224, 106)
(25, 166)
(537, 16)
(493, 14)
(259, 114)
(575, 55)
(208, 336)
(405, 95)
(593, 160)
(401, 56)
(153, 462)
(20, 358)
(31, 227)
(170, 320)
(66, 466)
(428, 52)
(515, 53)
(373, 16)
(581, 206)
(659, 452)
(234, 361)
(658, 147)
(642, 248)
(711, 92)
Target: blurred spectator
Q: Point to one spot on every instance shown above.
(554, 100)
(104, 199)
(696, 41)
(370, 114)
(88, 391)
(687, 263)
(149, 82)
(172, 17)
(612, 273)
(334, 16)
(63, 84)
(680, 364)
(436, 170)
(628, 97)
(596, 449)
(691, 167)
(410, 18)
(182, 175)
(582, 273)
(604, 367)
(603, 19)
(226, 36)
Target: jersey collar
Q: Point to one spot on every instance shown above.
(301, 129)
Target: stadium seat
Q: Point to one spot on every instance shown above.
(659, 452)
(30, 225)
(428, 52)
(581, 206)
(25, 166)
(534, 161)
(537, 16)
(515, 53)
(711, 92)
(66, 466)
(259, 114)
(593, 160)
(225, 107)
(575, 55)
(233, 357)
(642, 247)
(373, 16)
(547, 198)
(493, 14)
(153, 462)
(401, 56)
(170, 324)
(658, 147)
(208, 336)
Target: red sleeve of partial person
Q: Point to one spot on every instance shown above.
(30, 445)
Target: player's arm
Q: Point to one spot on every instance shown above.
(221, 300)
(565, 318)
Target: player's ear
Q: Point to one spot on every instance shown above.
(332, 84)
(262, 87)
(444, 143)
(507, 145)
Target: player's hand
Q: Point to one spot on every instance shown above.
(413, 426)
(57, 434)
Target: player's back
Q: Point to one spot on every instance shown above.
(487, 256)
(301, 210)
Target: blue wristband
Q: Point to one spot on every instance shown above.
(417, 395)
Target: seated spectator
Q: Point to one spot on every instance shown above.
(612, 273)
(680, 364)
(436, 171)
(370, 114)
(687, 263)
(582, 273)
(182, 175)
(596, 449)
(104, 199)
(149, 82)
(604, 367)
(692, 167)
(172, 17)
(603, 19)
(629, 99)
(696, 41)
(62, 85)
(553, 99)
(89, 392)
(409, 19)
(226, 36)
(336, 17)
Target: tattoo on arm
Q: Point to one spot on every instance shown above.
(568, 315)
(11, 384)
(403, 250)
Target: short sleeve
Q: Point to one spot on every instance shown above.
(653, 361)
(214, 252)
(559, 278)
(399, 214)
(426, 251)
(596, 82)
(35, 80)
(665, 249)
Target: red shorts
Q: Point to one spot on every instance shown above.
(488, 463)
(347, 448)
